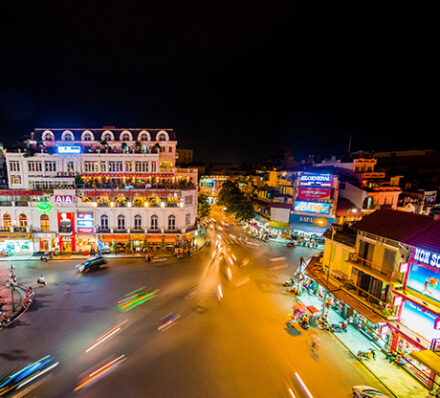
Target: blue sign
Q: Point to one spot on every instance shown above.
(427, 257)
(420, 320)
(424, 280)
(312, 207)
(319, 221)
(69, 149)
(311, 179)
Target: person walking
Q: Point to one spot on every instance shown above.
(67, 290)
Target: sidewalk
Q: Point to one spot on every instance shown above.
(393, 377)
(13, 301)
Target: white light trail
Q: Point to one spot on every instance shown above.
(303, 386)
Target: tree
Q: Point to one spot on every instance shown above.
(203, 207)
(235, 202)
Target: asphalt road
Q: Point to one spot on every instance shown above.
(230, 340)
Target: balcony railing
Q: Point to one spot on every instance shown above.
(355, 259)
(5, 203)
(103, 230)
(120, 230)
(153, 230)
(137, 231)
(21, 203)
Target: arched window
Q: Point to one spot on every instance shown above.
(87, 137)
(121, 222)
(154, 222)
(67, 136)
(44, 222)
(104, 222)
(7, 223)
(144, 137)
(22, 221)
(137, 222)
(125, 137)
(161, 137)
(48, 136)
(171, 223)
(107, 137)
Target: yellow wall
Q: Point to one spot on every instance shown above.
(339, 257)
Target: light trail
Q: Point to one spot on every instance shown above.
(128, 295)
(273, 259)
(232, 236)
(230, 261)
(229, 273)
(232, 255)
(105, 337)
(303, 386)
(38, 375)
(277, 267)
(291, 393)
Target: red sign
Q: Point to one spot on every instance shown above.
(314, 193)
(63, 199)
(10, 192)
(66, 225)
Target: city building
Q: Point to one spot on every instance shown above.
(211, 185)
(185, 156)
(79, 189)
(420, 201)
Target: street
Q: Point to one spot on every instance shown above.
(230, 339)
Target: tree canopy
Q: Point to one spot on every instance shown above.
(235, 202)
(203, 207)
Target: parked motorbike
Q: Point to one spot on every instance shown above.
(305, 325)
(366, 354)
(291, 244)
(338, 328)
(288, 282)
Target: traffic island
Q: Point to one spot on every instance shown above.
(15, 300)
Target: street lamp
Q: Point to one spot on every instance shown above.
(321, 222)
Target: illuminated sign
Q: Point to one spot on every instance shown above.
(69, 149)
(427, 257)
(319, 221)
(314, 193)
(322, 180)
(312, 207)
(66, 222)
(63, 199)
(85, 223)
(420, 320)
(44, 207)
(424, 280)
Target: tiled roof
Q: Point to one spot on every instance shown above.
(427, 238)
(393, 224)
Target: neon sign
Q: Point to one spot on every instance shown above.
(69, 149)
(322, 180)
(63, 199)
(44, 207)
(84, 222)
(312, 207)
(427, 257)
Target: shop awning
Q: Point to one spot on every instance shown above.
(278, 225)
(309, 228)
(428, 358)
(115, 238)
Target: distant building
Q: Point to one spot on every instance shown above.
(185, 156)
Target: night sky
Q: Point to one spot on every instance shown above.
(237, 81)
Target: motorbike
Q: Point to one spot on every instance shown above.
(366, 354)
(46, 257)
(291, 244)
(288, 282)
(337, 328)
(304, 325)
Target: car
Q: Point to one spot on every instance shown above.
(15, 380)
(367, 392)
(91, 263)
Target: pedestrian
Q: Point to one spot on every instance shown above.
(67, 290)
(373, 353)
(41, 280)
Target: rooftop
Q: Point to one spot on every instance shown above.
(427, 238)
(346, 236)
(393, 224)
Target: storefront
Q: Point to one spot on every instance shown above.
(86, 242)
(309, 226)
(16, 243)
(45, 242)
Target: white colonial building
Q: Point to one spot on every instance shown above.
(76, 189)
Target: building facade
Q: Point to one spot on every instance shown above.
(79, 189)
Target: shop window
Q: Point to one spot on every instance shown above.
(7, 223)
(22, 221)
(187, 219)
(154, 222)
(44, 222)
(171, 223)
(137, 222)
(104, 222)
(121, 222)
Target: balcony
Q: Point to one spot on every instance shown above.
(120, 231)
(5, 203)
(153, 230)
(21, 203)
(137, 231)
(103, 230)
(373, 269)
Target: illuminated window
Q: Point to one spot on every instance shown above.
(90, 167)
(69, 167)
(128, 167)
(50, 165)
(14, 165)
(114, 166)
(44, 222)
(171, 223)
(22, 221)
(15, 179)
(34, 165)
(103, 168)
(141, 167)
(7, 223)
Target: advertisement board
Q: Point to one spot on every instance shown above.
(321, 221)
(64, 199)
(66, 222)
(420, 320)
(312, 207)
(314, 193)
(69, 149)
(424, 280)
(315, 180)
(427, 257)
(85, 223)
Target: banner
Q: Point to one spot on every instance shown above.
(314, 193)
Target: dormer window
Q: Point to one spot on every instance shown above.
(144, 137)
(107, 137)
(67, 136)
(125, 137)
(161, 137)
(87, 137)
